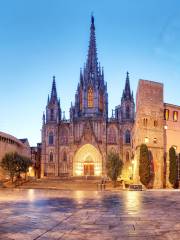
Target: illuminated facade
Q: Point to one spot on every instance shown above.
(79, 146)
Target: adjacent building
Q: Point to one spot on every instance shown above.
(9, 143)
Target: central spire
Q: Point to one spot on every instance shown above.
(92, 61)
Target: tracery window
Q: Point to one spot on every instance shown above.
(51, 138)
(90, 98)
(111, 135)
(101, 102)
(175, 116)
(127, 137)
(166, 114)
(80, 99)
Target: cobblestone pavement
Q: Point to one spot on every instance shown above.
(76, 215)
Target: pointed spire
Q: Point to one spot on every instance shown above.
(127, 85)
(92, 53)
(53, 91)
(127, 90)
(48, 100)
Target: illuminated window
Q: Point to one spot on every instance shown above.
(90, 97)
(51, 157)
(155, 140)
(166, 114)
(51, 138)
(101, 102)
(175, 116)
(80, 99)
(146, 140)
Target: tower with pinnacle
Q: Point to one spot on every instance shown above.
(91, 98)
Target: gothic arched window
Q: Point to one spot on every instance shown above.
(127, 137)
(51, 138)
(80, 99)
(111, 135)
(101, 102)
(51, 157)
(90, 97)
(127, 112)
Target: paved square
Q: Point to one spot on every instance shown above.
(56, 214)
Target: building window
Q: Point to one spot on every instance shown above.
(155, 140)
(101, 102)
(51, 114)
(166, 114)
(175, 116)
(51, 157)
(80, 99)
(145, 122)
(51, 138)
(146, 140)
(155, 123)
(127, 137)
(127, 112)
(90, 98)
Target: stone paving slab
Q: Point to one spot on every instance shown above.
(30, 214)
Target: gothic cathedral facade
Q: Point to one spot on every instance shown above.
(79, 146)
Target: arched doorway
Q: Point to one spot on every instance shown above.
(87, 161)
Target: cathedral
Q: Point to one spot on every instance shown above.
(79, 146)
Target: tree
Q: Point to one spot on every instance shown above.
(15, 164)
(9, 164)
(114, 166)
(172, 166)
(144, 165)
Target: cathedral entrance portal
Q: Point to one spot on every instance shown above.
(87, 161)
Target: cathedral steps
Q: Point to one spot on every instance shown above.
(67, 184)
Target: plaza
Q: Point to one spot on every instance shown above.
(61, 214)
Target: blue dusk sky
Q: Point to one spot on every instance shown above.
(42, 38)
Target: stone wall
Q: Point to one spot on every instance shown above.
(149, 128)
